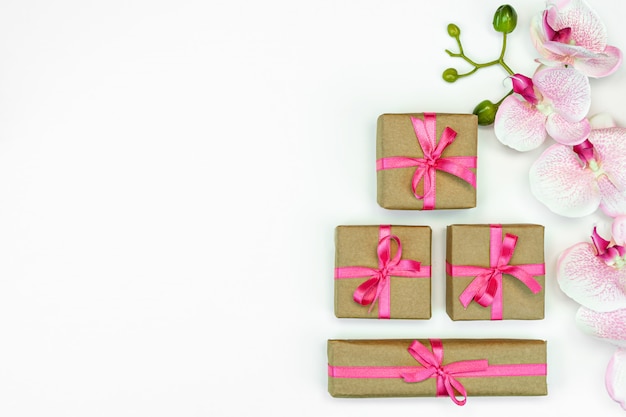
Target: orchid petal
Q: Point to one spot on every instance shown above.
(610, 145)
(601, 121)
(589, 281)
(589, 63)
(615, 377)
(567, 50)
(538, 35)
(618, 230)
(523, 86)
(613, 202)
(565, 132)
(609, 325)
(600, 244)
(587, 28)
(552, 61)
(601, 65)
(560, 4)
(538, 30)
(519, 124)
(548, 18)
(558, 180)
(568, 91)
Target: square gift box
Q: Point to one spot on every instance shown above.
(457, 368)
(383, 272)
(495, 272)
(426, 161)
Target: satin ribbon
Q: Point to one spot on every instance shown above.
(426, 133)
(447, 384)
(486, 288)
(378, 286)
(431, 366)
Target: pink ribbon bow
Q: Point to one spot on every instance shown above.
(486, 287)
(447, 384)
(377, 288)
(426, 133)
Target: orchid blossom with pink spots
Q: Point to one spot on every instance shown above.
(570, 33)
(574, 181)
(583, 172)
(554, 102)
(594, 275)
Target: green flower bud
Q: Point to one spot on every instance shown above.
(505, 19)
(486, 112)
(453, 30)
(450, 75)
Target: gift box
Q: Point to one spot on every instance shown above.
(426, 161)
(383, 272)
(457, 368)
(495, 272)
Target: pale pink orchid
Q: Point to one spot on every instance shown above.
(570, 33)
(594, 275)
(615, 377)
(554, 102)
(576, 181)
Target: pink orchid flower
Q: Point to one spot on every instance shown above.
(594, 275)
(575, 181)
(554, 102)
(615, 377)
(569, 32)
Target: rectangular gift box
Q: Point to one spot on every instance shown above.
(495, 272)
(383, 272)
(428, 368)
(426, 161)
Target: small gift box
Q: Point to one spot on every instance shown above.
(426, 161)
(457, 368)
(382, 272)
(495, 272)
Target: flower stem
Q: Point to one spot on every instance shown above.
(501, 58)
(505, 96)
(476, 65)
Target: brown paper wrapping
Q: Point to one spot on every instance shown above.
(357, 245)
(469, 245)
(394, 352)
(396, 137)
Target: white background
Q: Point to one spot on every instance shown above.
(171, 174)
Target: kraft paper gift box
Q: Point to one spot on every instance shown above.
(495, 272)
(456, 368)
(426, 161)
(383, 272)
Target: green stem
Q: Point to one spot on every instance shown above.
(501, 58)
(458, 42)
(476, 65)
(468, 73)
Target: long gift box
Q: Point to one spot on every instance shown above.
(456, 368)
(426, 161)
(383, 272)
(495, 272)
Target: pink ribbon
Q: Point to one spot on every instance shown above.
(447, 384)
(426, 133)
(431, 366)
(486, 287)
(377, 287)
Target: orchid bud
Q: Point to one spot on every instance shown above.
(450, 75)
(505, 19)
(486, 112)
(453, 30)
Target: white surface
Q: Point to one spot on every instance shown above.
(171, 173)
